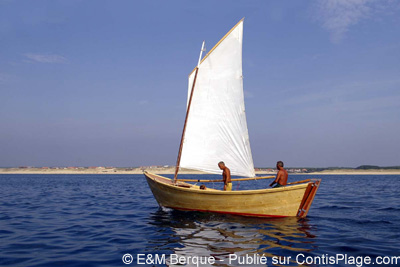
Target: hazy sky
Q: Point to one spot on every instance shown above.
(94, 83)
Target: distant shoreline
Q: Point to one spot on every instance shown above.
(170, 170)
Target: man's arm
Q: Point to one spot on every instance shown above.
(228, 175)
(224, 178)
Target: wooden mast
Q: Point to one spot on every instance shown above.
(178, 161)
(184, 127)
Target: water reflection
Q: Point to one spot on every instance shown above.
(205, 234)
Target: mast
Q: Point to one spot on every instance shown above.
(187, 115)
(203, 49)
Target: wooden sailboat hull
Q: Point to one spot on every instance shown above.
(294, 200)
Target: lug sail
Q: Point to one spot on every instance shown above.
(216, 127)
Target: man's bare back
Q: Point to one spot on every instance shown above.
(281, 176)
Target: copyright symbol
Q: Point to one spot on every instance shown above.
(127, 259)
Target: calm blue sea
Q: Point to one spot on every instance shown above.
(93, 220)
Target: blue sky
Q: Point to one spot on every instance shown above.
(104, 83)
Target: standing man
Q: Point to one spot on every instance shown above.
(226, 176)
(281, 176)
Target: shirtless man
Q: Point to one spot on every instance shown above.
(226, 176)
(281, 176)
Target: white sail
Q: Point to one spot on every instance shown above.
(216, 127)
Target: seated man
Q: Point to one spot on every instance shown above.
(281, 176)
(226, 176)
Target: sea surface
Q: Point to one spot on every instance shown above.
(93, 220)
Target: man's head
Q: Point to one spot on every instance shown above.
(279, 165)
(221, 165)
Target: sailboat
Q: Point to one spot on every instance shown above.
(215, 130)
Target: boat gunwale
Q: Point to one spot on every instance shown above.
(221, 192)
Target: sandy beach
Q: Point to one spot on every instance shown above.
(170, 170)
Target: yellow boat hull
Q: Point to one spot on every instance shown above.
(294, 200)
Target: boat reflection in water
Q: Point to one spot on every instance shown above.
(204, 235)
